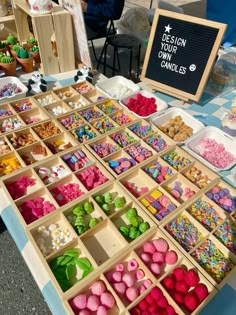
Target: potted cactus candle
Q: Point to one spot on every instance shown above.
(34, 51)
(30, 43)
(3, 47)
(11, 40)
(14, 50)
(8, 65)
(25, 59)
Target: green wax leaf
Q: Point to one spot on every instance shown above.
(56, 262)
(64, 284)
(88, 207)
(66, 260)
(86, 272)
(83, 263)
(70, 271)
(60, 273)
(134, 221)
(108, 197)
(119, 202)
(71, 252)
(81, 229)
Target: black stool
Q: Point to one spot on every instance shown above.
(123, 41)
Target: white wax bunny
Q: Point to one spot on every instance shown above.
(40, 6)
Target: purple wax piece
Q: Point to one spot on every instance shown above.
(209, 195)
(216, 197)
(222, 193)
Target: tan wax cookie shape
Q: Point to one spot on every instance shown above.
(177, 129)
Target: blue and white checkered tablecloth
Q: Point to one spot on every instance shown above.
(223, 303)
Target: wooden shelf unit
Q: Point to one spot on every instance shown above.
(53, 26)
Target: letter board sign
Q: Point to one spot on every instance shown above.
(180, 53)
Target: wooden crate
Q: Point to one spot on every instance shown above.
(56, 26)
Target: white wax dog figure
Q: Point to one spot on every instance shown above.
(84, 74)
(40, 6)
(37, 84)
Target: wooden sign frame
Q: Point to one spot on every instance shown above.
(178, 93)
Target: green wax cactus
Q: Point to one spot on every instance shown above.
(119, 202)
(143, 227)
(23, 54)
(132, 212)
(93, 222)
(88, 207)
(108, 197)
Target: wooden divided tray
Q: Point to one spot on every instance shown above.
(94, 188)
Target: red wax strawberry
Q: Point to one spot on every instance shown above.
(170, 310)
(178, 297)
(143, 305)
(178, 274)
(149, 299)
(191, 301)
(191, 278)
(156, 293)
(168, 283)
(181, 286)
(153, 308)
(162, 301)
(201, 291)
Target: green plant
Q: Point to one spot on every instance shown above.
(2, 45)
(11, 40)
(23, 54)
(17, 47)
(6, 59)
(32, 41)
(34, 49)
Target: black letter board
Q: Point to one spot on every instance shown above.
(180, 53)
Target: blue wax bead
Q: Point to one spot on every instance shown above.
(74, 159)
(113, 163)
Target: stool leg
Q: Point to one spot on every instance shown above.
(114, 61)
(118, 60)
(130, 62)
(138, 61)
(105, 59)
